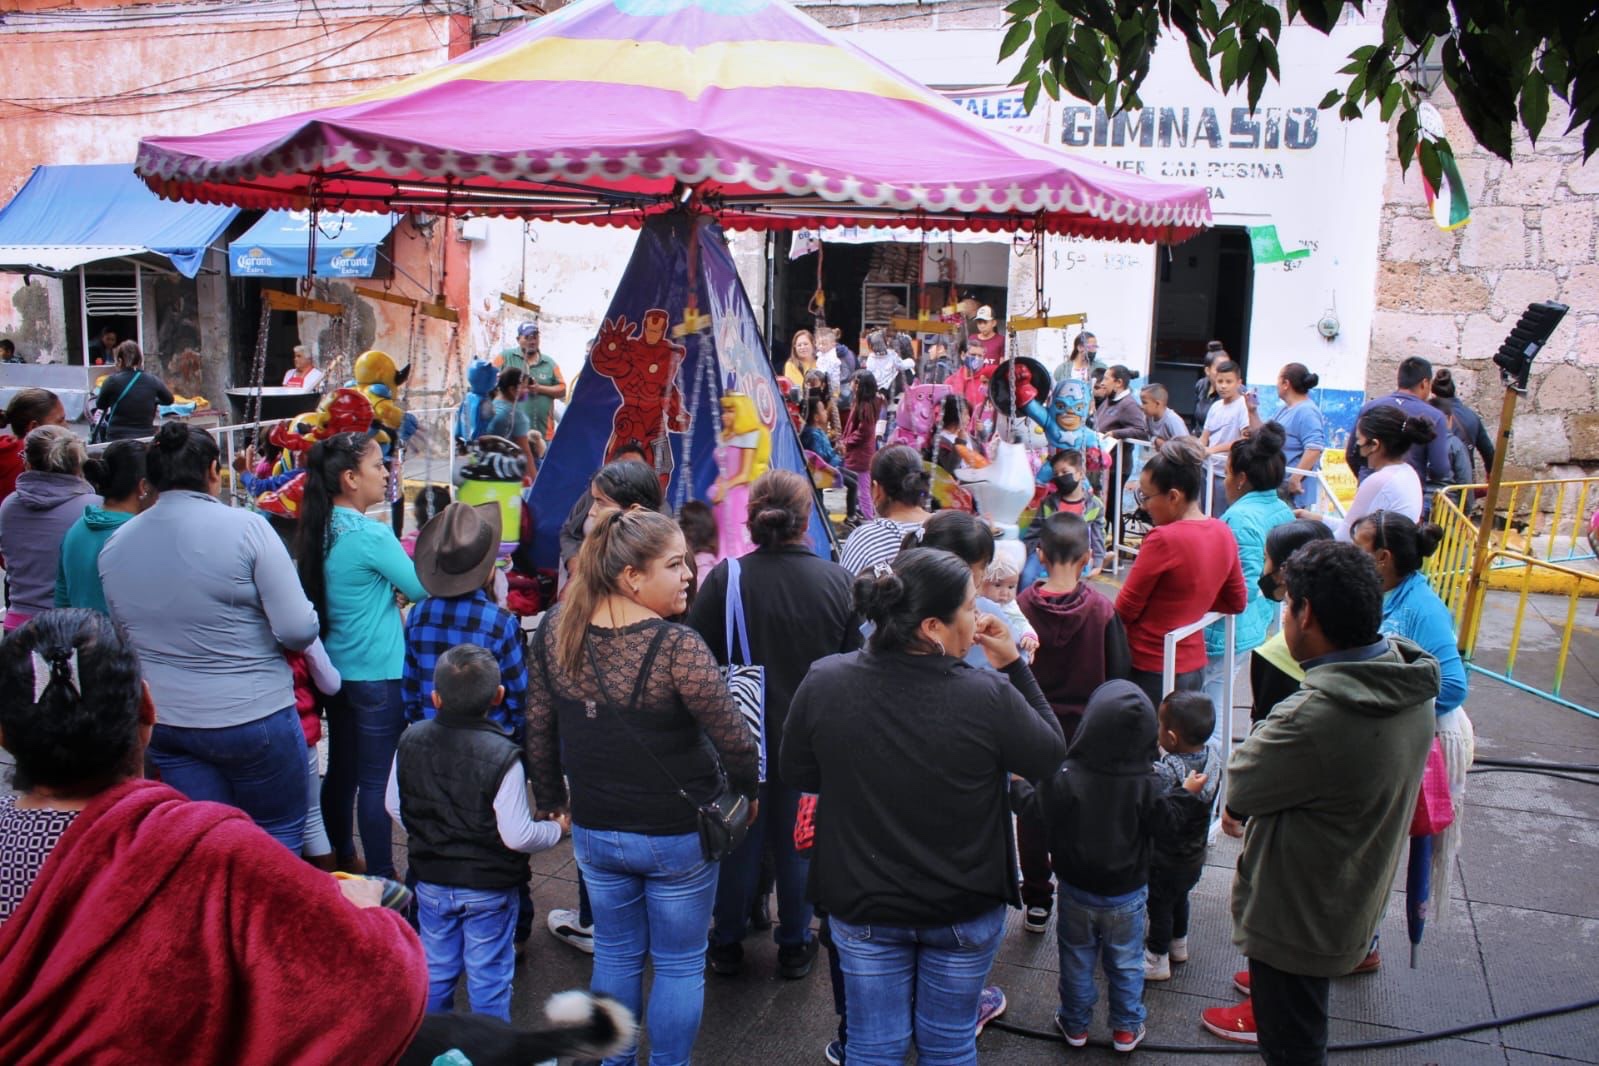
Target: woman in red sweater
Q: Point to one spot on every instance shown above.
(1187, 566)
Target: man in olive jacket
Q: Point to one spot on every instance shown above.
(1327, 784)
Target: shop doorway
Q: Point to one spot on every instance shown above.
(1204, 291)
(867, 284)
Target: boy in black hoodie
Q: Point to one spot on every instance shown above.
(1081, 645)
(1102, 811)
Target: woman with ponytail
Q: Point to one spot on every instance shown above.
(1411, 609)
(915, 861)
(1255, 468)
(634, 713)
(118, 476)
(208, 596)
(1383, 437)
(1304, 431)
(354, 570)
(899, 490)
(796, 611)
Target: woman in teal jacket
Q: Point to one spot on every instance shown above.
(354, 571)
(1411, 609)
(1255, 469)
(118, 476)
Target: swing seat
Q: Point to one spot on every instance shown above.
(507, 495)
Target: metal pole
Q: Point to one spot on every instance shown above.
(1479, 561)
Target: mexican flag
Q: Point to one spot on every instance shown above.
(1449, 206)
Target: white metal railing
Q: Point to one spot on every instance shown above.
(1224, 714)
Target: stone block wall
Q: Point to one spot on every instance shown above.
(1452, 297)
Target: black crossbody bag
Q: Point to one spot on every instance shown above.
(723, 822)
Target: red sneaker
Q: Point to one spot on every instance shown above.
(1241, 982)
(1370, 964)
(1231, 1023)
(1126, 1039)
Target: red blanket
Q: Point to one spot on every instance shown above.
(166, 931)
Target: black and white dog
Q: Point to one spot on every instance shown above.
(580, 1024)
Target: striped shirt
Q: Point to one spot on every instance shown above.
(876, 542)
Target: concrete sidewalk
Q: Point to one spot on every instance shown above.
(1521, 931)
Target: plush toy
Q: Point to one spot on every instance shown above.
(745, 454)
(1003, 489)
(917, 420)
(1067, 424)
(341, 411)
(477, 410)
(379, 381)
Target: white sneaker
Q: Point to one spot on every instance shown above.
(1036, 919)
(1179, 949)
(564, 926)
(1156, 967)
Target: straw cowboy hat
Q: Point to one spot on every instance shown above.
(456, 549)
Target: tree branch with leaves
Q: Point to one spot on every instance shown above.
(1500, 59)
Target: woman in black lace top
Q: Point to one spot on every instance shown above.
(631, 708)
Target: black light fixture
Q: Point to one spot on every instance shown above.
(1531, 333)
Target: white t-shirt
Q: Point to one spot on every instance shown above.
(1225, 422)
(1393, 488)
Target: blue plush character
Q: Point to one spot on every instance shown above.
(477, 410)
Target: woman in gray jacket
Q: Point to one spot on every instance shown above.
(50, 496)
(211, 600)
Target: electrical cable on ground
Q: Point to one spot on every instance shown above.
(1358, 1045)
(1562, 771)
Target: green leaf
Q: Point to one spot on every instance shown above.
(1229, 68)
(1022, 8)
(1015, 38)
(1390, 100)
(1332, 97)
(1590, 140)
(1534, 105)
(1268, 54)
(1051, 85)
(1224, 40)
(1030, 95)
(1409, 131)
(1201, 61)
(1257, 85)
(1274, 22)
(1556, 71)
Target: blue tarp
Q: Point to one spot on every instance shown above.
(66, 216)
(275, 247)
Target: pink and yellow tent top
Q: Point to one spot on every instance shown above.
(608, 111)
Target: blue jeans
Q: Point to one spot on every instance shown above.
(736, 885)
(651, 895)
(364, 725)
(258, 767)
(1110, 930)
(471, 929)
(901, 981)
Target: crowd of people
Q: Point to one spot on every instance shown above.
(857, 738)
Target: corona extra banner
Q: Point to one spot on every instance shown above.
(678, 370)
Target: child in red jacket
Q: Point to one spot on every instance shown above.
(315, 677)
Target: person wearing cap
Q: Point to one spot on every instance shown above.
(455, 556)
(542, 380)
(993, 344)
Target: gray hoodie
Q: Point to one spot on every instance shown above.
(33, 520)
(1328, 782)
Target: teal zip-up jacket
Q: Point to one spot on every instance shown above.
(1250, 517)
(78, 572)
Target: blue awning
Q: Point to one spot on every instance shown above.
(66, 216)
(275, 247)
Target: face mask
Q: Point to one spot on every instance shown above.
(1067, 484)
(1267, 583)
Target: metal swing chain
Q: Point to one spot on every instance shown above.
(397, 459)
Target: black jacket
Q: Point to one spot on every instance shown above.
(449, 770)
(135, 413)
(1104, 806)
(909, 756)
(798, 608)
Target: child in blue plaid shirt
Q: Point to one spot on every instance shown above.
(455, 555)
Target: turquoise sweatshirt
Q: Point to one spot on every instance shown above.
(78, 572)
(365, 566)
(1411, 609)
(1250, 517)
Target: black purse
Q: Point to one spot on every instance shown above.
(725, 820)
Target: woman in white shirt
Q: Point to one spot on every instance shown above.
(1384, 436)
